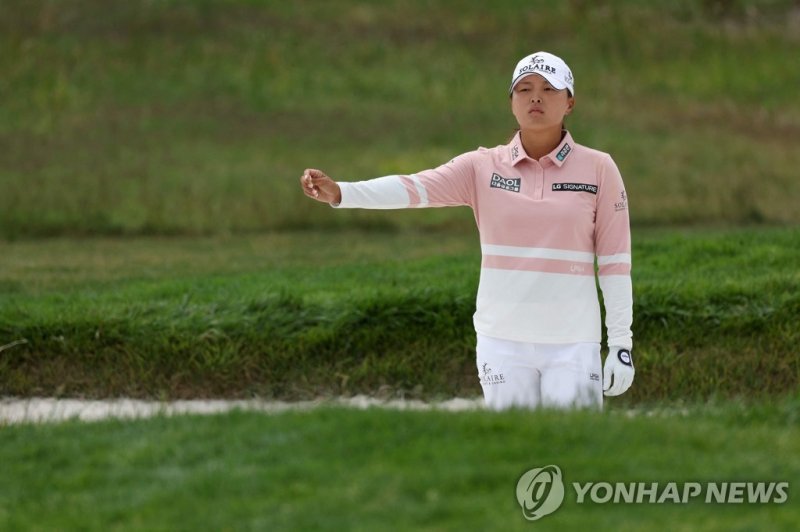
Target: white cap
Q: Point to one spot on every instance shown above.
(550, 67)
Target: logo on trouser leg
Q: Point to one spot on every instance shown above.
(488, 378)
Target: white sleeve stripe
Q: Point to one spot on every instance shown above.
(619, 258)
(421, 190)
(386, 192)
(537, 253)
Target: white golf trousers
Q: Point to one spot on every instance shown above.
(519, 374)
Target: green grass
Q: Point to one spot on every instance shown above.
(173, 132)
(302, 314)
(341, 469)
(197, 117)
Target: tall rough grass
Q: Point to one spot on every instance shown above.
(715, 315)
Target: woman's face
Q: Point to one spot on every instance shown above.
(538, 105)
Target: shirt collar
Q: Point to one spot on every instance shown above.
(516, 151)
(559, 154)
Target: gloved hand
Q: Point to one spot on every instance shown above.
(619, 366)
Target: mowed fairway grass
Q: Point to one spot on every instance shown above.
(341, 469)
(192, 116)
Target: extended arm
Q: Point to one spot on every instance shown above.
(450, 184)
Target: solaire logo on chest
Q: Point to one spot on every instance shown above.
(506, 183)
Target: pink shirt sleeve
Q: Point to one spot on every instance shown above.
(612, 225)
(448, 185)
(451, 184)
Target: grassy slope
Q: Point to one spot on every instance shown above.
(296, 314)
(339, 469)
(197, 117)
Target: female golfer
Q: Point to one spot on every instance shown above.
(546, 207)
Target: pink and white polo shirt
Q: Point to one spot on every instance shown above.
(542, 223)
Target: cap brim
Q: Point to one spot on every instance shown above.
(554, 81)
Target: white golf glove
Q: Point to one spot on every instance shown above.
(619, 368)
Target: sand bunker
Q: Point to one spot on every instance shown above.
(43, 410)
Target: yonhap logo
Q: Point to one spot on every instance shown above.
(511, 184)
(540, 492)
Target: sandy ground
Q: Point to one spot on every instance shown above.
(44, 410)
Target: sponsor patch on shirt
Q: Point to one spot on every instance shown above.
(622, 205)
(564, 152)
(506, 183)
(575, 187)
